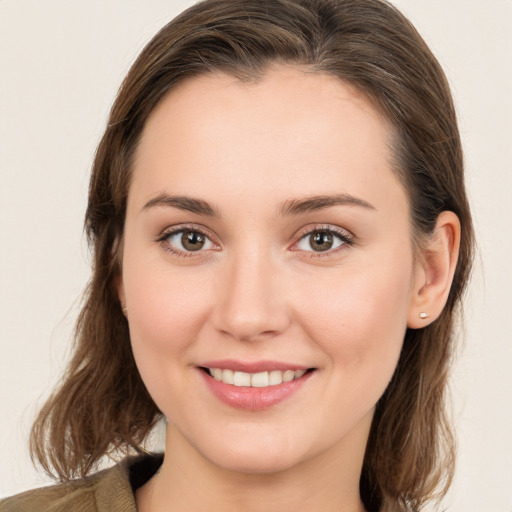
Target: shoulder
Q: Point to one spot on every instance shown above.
(110, 490)
(78, 494)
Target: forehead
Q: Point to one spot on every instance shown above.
(292, 132)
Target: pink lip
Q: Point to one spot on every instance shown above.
(252, 367)
(253, 399)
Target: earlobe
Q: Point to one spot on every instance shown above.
(435, 273)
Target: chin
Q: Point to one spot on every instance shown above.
(255, 464)
(265, 456)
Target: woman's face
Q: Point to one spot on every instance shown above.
(266, 234)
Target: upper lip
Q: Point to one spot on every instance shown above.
(252, 366)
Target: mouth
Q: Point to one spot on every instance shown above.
(254, 390)
(254, 380)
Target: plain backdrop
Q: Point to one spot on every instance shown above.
(61, 62)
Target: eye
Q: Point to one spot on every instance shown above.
(186, 240)
(323, 240)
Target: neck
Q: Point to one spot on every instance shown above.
(187, 481)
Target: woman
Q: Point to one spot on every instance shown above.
(281, 240)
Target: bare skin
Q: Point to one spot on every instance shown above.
(254, 273)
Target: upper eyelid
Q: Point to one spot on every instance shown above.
(301, 232)
(184, 227)
(324, 227)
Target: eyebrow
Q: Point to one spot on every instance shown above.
(315, 203)
(289, 207)
(186, 203)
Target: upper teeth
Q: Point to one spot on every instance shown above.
(255, 380)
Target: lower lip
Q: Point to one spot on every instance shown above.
(253, 399)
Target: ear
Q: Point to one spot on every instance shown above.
(434, 272)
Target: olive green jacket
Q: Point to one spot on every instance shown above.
(111, 490)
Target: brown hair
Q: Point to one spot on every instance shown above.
(102, 405)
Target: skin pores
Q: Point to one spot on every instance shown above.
(326, 287)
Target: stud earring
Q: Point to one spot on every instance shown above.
(124, 309)
(423, 315)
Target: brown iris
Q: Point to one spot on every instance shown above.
(192, 240)
(321, 240)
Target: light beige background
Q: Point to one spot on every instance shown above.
(61, 62)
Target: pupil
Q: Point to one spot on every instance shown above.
(192, 240)
(321, 241)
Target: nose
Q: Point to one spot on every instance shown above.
(251, 298)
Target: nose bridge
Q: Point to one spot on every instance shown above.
(249, 304)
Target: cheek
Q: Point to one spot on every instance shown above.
(359, 320)
(165, 312)
(165, 318)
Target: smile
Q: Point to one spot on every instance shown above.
(255, 388)
(255, 380)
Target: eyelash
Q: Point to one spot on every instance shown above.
(164, 237)
(344, 236)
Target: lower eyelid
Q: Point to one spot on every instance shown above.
(340, 241)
